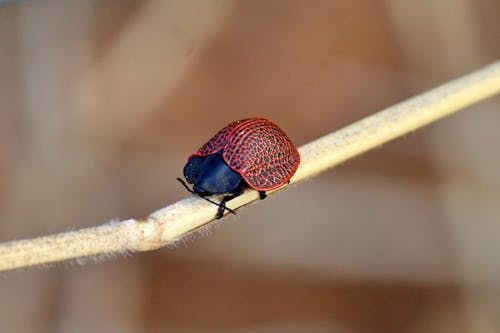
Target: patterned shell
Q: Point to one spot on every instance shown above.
(258, 150)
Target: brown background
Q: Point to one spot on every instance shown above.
(101, 102)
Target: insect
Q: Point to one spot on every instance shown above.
(251, 152)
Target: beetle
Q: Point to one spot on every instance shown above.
(252, 152)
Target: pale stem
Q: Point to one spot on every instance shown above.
(174, 221)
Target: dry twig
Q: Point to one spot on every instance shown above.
(172, 222)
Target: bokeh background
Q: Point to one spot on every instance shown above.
(101, 102)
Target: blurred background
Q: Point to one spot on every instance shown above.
(101, 103)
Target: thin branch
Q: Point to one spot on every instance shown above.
(173, 222)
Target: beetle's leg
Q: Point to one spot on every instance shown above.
(222, 208)
(262, 195)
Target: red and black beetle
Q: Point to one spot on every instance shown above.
(253, 152)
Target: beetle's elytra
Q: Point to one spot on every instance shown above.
(253, 152)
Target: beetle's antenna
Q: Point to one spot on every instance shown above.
(212, 202)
